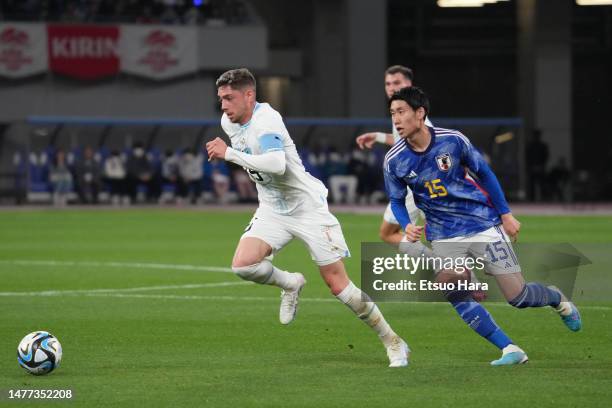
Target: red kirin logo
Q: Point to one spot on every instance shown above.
(160, 38)
(12, 44)
(14, 37)
(158, 57)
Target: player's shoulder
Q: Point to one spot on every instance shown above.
(395, 153)
(265, 116)
(451, 134)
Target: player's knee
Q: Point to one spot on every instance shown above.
(243, 259)
(382, 234)
(386, 234)
(254, 273)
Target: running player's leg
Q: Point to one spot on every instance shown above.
(327, 247)
(503, 264)
(344, 289)
(249, 263)
(474, 314)
(264, 236)
(390, 233)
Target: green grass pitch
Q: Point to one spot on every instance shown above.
(169, 336)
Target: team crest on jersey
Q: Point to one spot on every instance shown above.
(444, 161)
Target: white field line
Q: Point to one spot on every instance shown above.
(135, 265)
(120, 293)
(255, 298)
(123, 290)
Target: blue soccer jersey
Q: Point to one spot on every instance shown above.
(453, 201)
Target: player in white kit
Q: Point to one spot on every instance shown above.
(292, 204)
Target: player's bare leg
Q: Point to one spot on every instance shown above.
(521, 295)
(390, 233)
(250, 264)
(336, 278)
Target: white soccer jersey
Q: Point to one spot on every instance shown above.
(285, 194)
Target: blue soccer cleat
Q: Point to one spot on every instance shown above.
(568, 311)
(570, 315)
(512, 355)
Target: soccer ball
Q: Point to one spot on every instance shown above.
(39, 353)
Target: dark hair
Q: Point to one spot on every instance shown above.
(400, 69)
(413, 96)
(237, 79)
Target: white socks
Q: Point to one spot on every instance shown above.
(511, 348)
(564, 308)
(267, 274)
(367, 311)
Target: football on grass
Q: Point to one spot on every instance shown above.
(39, 353)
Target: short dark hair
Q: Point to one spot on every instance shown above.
(237, 79)
(400, 69)
(413, 96)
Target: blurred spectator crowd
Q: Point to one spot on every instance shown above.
(187, 12)
(146, 175)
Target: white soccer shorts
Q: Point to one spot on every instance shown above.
(493, 246)
(322, 235)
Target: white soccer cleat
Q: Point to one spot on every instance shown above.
(398, 352)
(289, 301)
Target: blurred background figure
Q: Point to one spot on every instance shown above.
(190, 175)
(169, 176)
(559, 180)
(221, 180)
(140, 174)
(342, 184)
(363, 164)
(88, 177)
(244, 186)
(61, 179)
(537, 158)
(115, 176)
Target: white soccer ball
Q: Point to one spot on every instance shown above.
(39, 353)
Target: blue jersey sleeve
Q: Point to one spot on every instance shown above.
(396, 190)
(270, 142)
(474, 161)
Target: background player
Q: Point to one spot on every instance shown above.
(463, 218)
(396, 78)
(292, 204)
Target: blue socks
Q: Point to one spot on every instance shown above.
(536, 295)
(478, 318)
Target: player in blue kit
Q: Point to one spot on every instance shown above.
(466, 216)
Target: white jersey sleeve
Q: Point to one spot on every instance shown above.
(293, 190)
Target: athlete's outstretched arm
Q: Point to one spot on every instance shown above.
(477, 164)
(474, 161)
(367, 140)
(491, 185)
(270, 162)
(396, 190)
